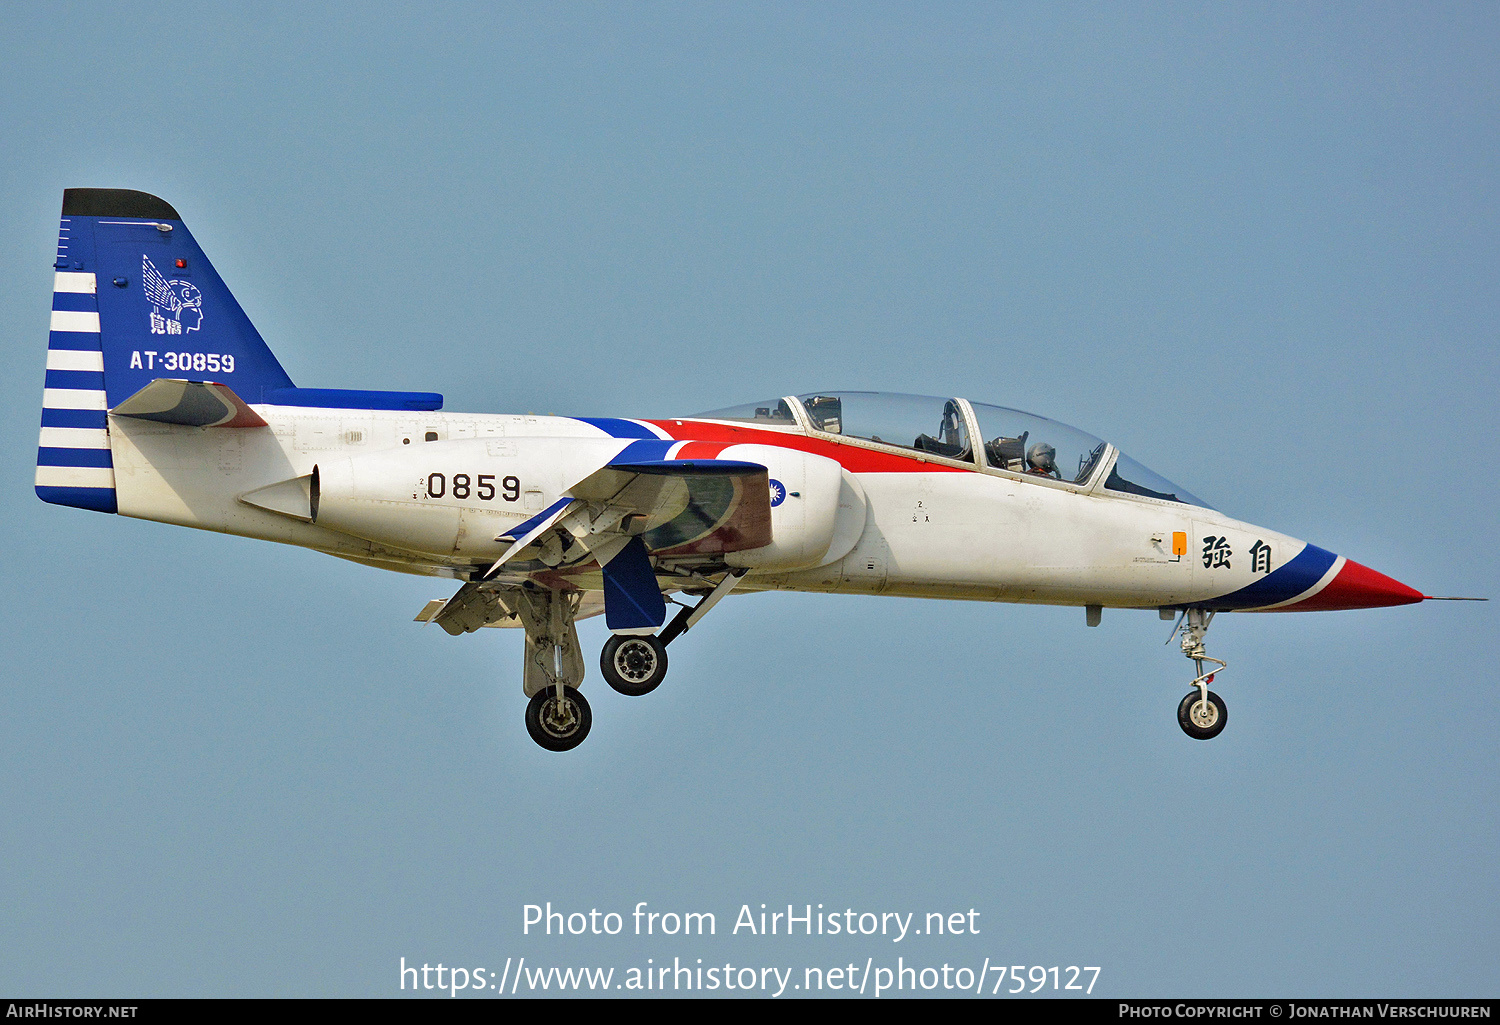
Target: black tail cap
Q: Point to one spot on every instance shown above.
(116, 203)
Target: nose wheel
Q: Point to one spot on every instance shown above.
(1202, 717)
(1202, 714)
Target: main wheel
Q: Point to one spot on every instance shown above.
(633, 665)
(1199, 720)
(558, 725)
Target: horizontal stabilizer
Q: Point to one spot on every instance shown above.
(190, 404)
(344, 398)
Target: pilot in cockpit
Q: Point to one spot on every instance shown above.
(1041, 461)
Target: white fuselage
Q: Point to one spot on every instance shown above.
(928, 528)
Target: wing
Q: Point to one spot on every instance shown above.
(684, 506)
(666, 507)
(156, 287)
(631, 509)
(676, 507)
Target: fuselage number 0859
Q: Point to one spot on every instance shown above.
(480, 486)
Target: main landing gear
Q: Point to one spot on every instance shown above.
(558, 717)
(1202, 713)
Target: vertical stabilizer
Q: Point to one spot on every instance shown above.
(134, 299)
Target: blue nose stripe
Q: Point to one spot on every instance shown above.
(1284, 584)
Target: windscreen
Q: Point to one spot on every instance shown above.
(1131, 478)
(770, 412)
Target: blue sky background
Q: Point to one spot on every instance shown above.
(1254, 245)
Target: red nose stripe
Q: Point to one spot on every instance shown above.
(1359, 587)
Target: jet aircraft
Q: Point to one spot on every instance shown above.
(163, 402)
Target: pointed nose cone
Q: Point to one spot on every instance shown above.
(1360, 587)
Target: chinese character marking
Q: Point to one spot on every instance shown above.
(1216, 552)
(158, 323)
(1260, 557)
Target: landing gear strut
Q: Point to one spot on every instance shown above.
(557, 717)
(1202, 714)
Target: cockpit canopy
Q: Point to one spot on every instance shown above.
(1010, 440)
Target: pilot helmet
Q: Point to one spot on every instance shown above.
(1042, 456)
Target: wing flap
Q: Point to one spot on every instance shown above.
(475, 606)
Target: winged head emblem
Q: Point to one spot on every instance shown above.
(177, 306)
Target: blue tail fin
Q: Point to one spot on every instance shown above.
(134, 300)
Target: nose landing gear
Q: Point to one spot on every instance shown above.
(1202, 714)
